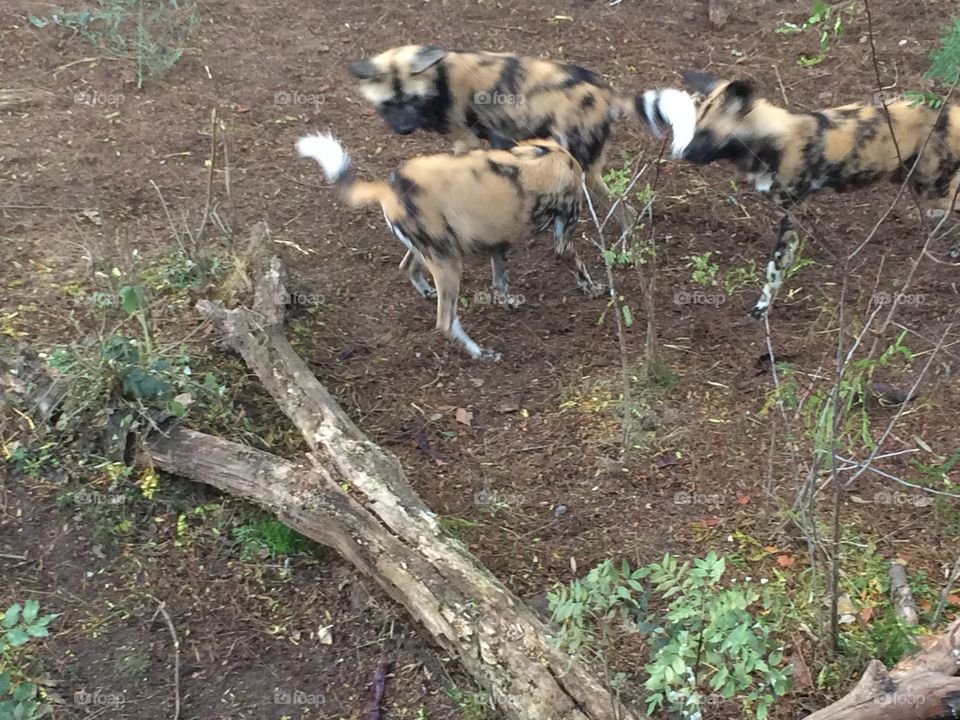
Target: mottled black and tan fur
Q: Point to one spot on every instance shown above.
(474, 96)
(791, 155)
(446, 208)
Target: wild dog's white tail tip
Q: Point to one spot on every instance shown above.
(675, 108)
(326, 150)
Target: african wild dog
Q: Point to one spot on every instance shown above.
(791, 155)
(446, 208)
(498, 97)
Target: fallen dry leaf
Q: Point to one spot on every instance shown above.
(771, 549)
(800, 674)
(785, 561)
(743, 499)
(953, 599)
(464, 416)
(866, 614)
(710, 522)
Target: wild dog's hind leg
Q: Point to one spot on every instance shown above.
(938, 198)
(447, 279)
(784, 252)
(567, 252)
(412, 265)
(625, 215)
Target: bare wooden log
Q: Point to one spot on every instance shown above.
(920, 687)
(353, 496)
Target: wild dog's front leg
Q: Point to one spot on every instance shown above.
(447, 280)
(567, 252)
(784, 253)
(501, 276)
(465, 143)
(412, 265)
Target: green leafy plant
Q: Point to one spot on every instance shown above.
(704, 272)
(828, 21)
(738, 278)
(945, 60)
(19, 696)
(152, 33)
(707, 636)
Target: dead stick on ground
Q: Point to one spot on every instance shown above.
(902, 596)
(162, 610)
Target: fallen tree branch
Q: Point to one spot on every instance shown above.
(351, 495)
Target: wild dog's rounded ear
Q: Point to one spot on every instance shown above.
(741, 89)
(426, 57)
(364, 69)
(703, 84)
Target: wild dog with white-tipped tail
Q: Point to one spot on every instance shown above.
(790, 156)
(446, 208)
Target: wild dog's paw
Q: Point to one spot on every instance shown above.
(759, 310)
(954, 252)
(490, 355)
(593, 290)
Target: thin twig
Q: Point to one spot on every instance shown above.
(614, 299)
(166, 212)
(945, 595)
(213, 159)
(783, 90)
(162, 610)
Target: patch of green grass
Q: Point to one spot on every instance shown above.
(268, 536)
(132, 662)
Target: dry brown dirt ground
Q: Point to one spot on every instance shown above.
(543, 431)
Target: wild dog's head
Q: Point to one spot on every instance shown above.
(408, 87)
(717, 123)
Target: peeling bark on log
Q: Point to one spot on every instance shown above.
(380, 525)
